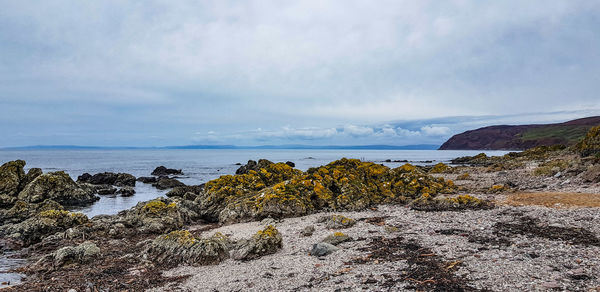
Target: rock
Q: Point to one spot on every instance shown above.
(107, 191)
(337, 221)
(253, 165)
(164, 183)
(181, 246)
(32, 174)
(180, 191)
(291, 164)
(323, 249)
(126, 191)
(161, 170)
(590, 144)
(336, 238)
(264, 242)
(82, 253)
(592, 174)
(108, 178)
(57, 186)
(147, 179)
(308, 231)
(11, 175)
(156, 216)
(21, 211)
(44, 224)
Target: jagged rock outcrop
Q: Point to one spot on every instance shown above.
(156, 216)
(22, 210)
(255, 166)
(57, 186)
(181, 246)
(164, 183)
(108, 178)
(163, 171)
(264, 242)
(43, 224)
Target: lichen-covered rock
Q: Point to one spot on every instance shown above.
(337, 221)
(180, 191)
(255, 166)
(307, 231)
(57, 186)
(108, 178)
(181, 246)
(43, 224)
(458, 203)
(163, 171)
(336, 238)
(82, 253)
(590, 145)
(439, 168)
(21, 211)
(11, 175)
(164, 183)
(279, 191)
(156, 216)
(264, 242)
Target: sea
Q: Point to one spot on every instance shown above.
(198, 165)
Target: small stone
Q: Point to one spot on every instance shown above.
(323, 249)
(308, 231)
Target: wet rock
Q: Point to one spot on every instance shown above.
(83, 253)
(336, 238)
(323, 249)
(180, 191)
(308, 231)
(126, 191)
(11, 175)
(107, 191)
(264, 242)
(337, 221)
(161, 170)
(181, 246)
(43, 224)
(164, 183)
(147, 179)
(57, 186)
(108, 178)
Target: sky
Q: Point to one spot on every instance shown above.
(158, 73)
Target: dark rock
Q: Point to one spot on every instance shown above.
(164, 183)
(180, 191)
(43, 224)
(127, 191)
(161, 170)
(22, 211)
(108, 178)
(32, 174)
(57, 186)
(291, 164)
(147, 179)
(253, 165)
(11, 175)
(323, 249)
(107, 191)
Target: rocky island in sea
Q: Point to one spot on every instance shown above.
(523, 221)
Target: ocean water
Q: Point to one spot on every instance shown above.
(198, 165)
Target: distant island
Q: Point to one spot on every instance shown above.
(521, 137)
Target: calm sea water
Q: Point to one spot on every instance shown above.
(198, 165)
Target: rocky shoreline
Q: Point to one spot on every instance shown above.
(349, 225)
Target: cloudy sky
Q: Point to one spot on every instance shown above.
(153, 73)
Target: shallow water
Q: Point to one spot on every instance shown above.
(198, 165)
(7, 262)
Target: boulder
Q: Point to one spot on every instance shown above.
(308, 231)
(11, 175)
(253, 165)
(592, 174)
(82, 253)
(108, 178)
(147, 179)
(161, 170)
(180, 191)
(57, 186)
(156, 216)
(109, 190)
(323, 249)
(127, 191)
(264, 242)
(21, 211)
(337, 238)
(43, 224)
(182, 247)
(164, 183)
(337, 221)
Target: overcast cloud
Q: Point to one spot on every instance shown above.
(151, 73)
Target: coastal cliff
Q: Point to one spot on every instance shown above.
(521, 137)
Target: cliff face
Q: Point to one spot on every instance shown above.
(521, 137)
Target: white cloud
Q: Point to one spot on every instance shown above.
(353, 130)
(435, 131)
